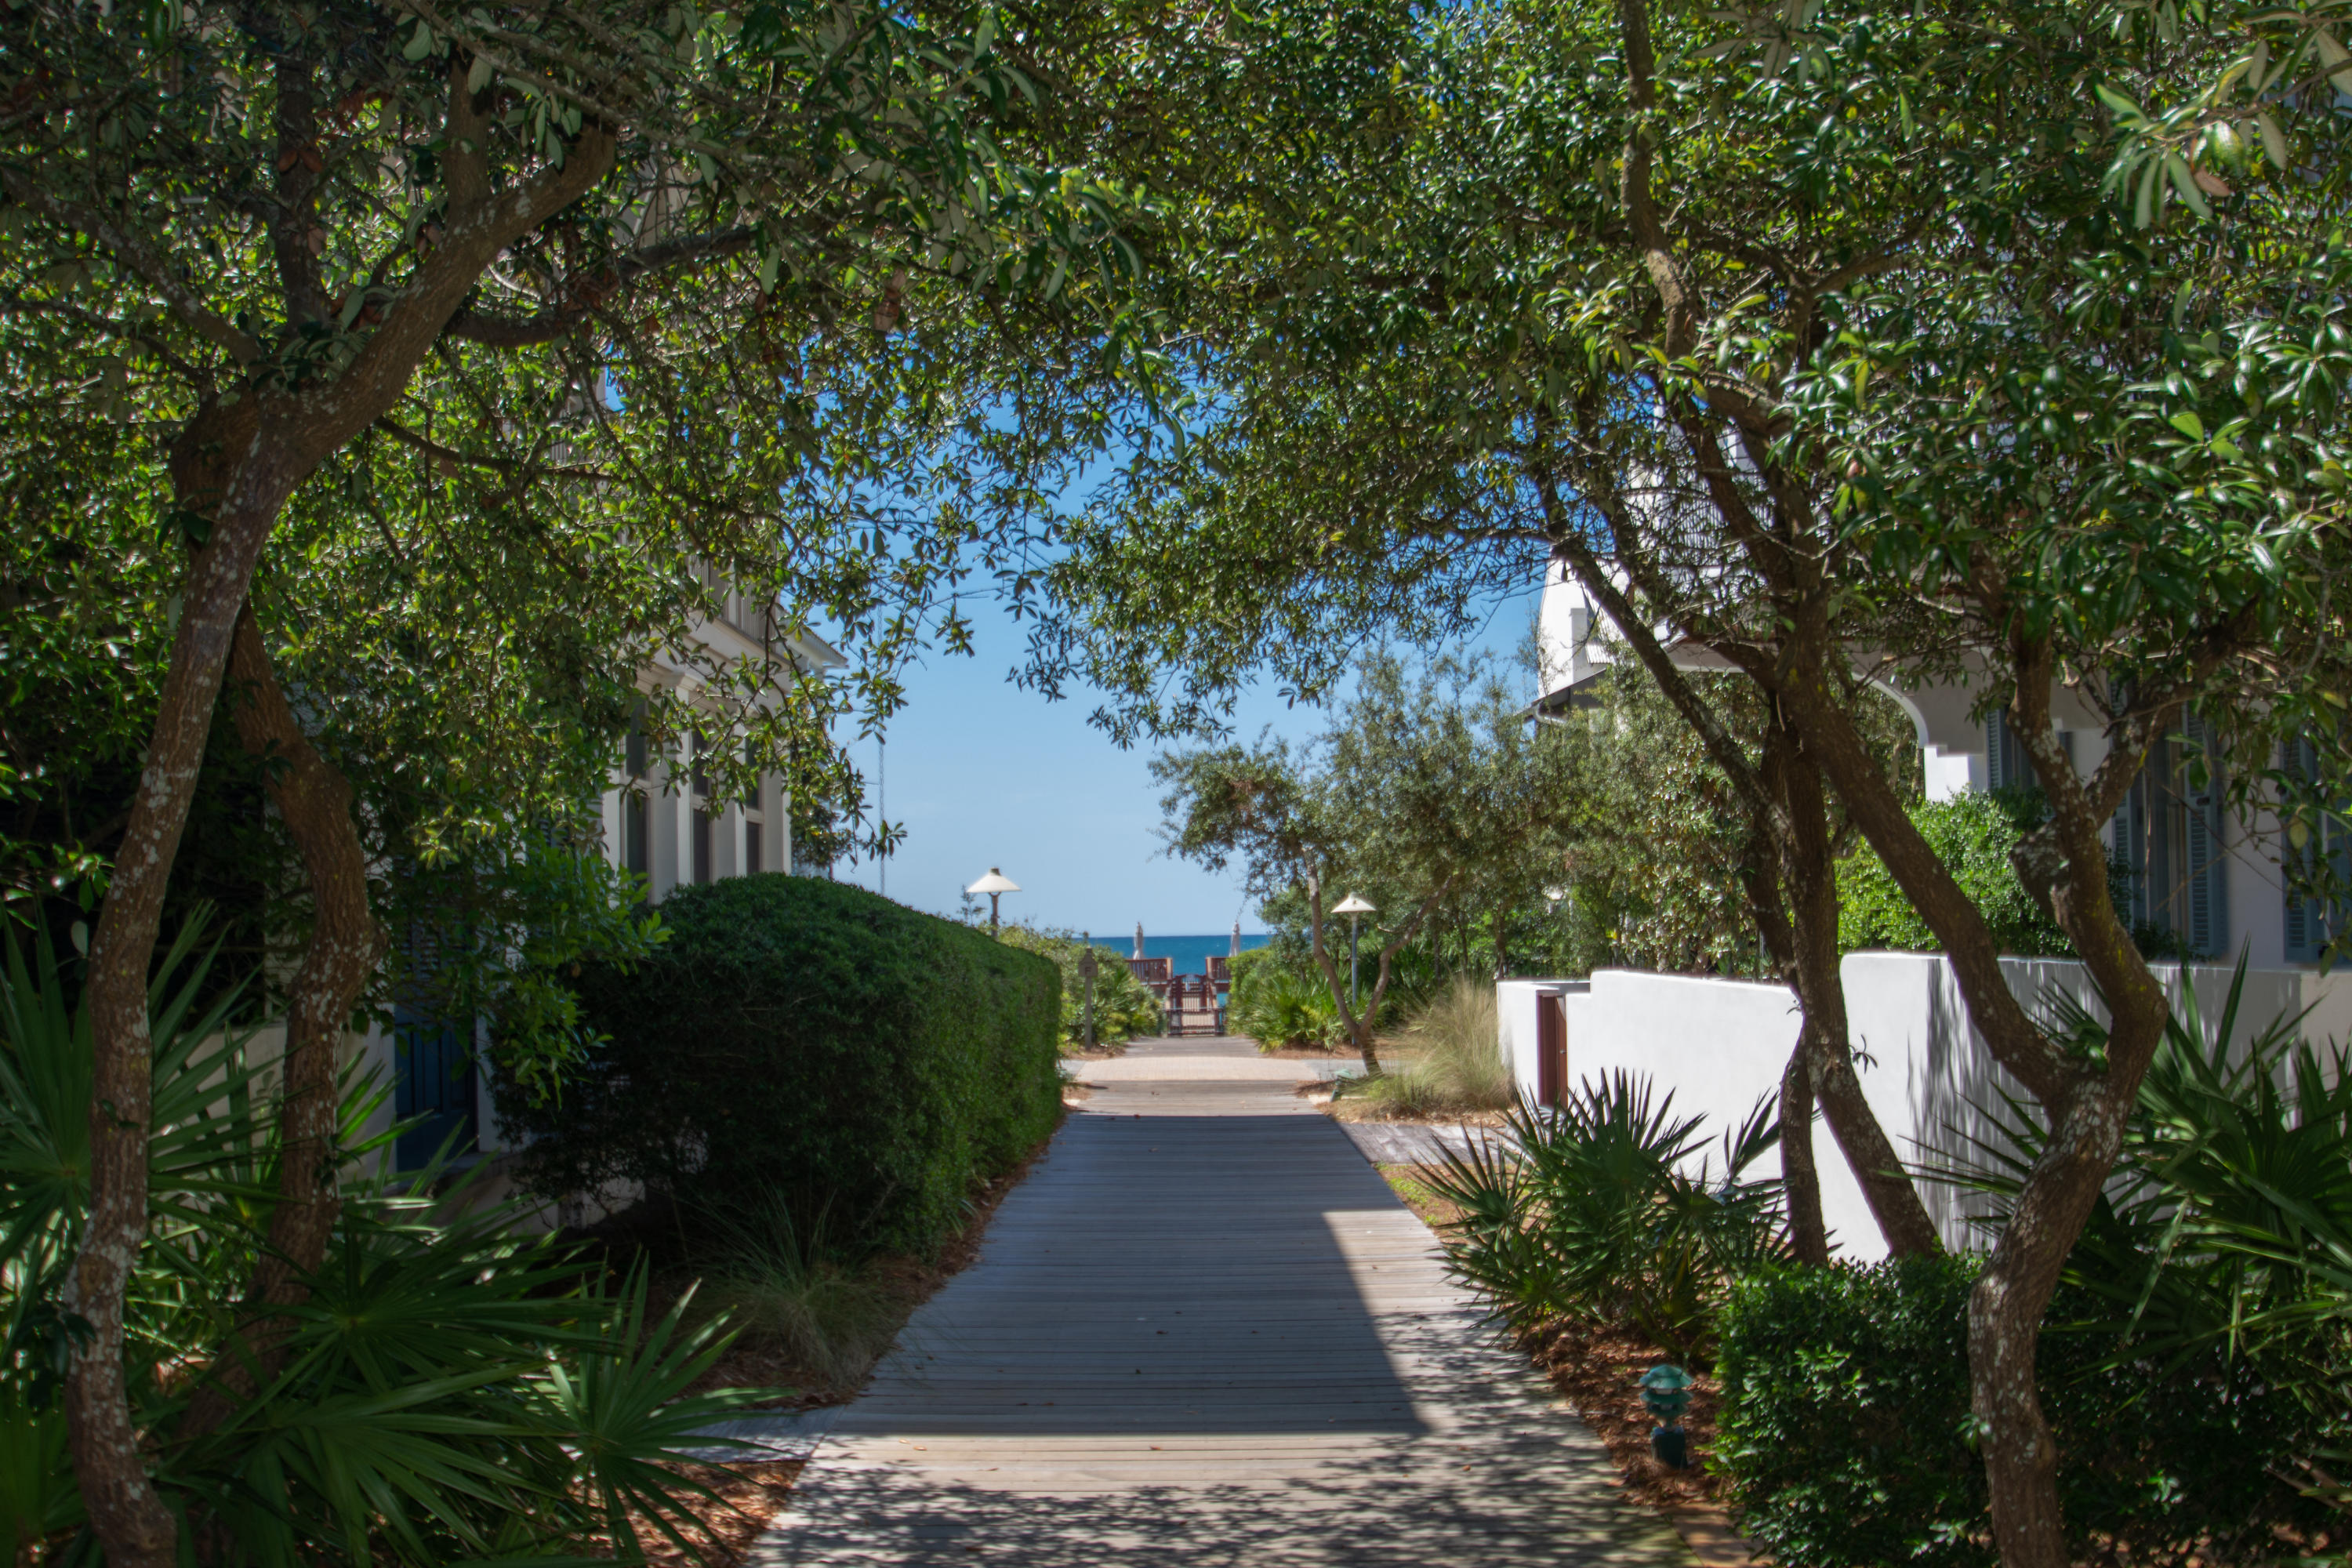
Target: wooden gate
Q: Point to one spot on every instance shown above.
(1551, 1047)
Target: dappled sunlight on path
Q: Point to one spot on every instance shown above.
(1203, 1332)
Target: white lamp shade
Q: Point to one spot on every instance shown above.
(1353, 905)
(995, 882)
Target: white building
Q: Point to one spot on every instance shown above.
(659, 820)
(2197, 870)
(1719, 1045)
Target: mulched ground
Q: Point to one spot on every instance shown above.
(749, 1497)
(1598, 1371)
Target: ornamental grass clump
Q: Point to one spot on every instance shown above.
(775, 1270)
(1449, 1060)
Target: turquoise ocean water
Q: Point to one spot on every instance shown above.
(1191, 952)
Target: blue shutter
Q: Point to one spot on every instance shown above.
(2311, 927)
(2302, 947)
(2002, 758)
(2007, 766)
(2207, 925)
(433, 1058)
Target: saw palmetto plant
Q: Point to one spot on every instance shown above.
(1605, 1209)
(444, 1390)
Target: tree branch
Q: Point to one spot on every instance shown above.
(1721, 749)
(1640, 210)
(578, 299)
(140, 257)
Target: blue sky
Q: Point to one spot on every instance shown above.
(981, 773)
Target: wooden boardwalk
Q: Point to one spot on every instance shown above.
(1203, 1332)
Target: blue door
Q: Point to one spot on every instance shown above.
(435, 1068)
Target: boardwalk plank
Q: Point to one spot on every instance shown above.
(1204, 1332)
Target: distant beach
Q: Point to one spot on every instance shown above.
(1191, 952)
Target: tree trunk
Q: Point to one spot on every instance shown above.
(1785, 801)
(1812, 880)
(1800, 1176)
(225, 470)
(2087, 1107)
(2005, 1312)
(346, 945)
(233, 467)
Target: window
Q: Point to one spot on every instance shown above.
(634, 752)
(637, 837)
(2168, 837)
(754, 818)
(2313, 926)
(2006, 765)
(701, 845)
(637, 813)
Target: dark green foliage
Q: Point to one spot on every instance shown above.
(1972, 834)
(806, 1037)
(451, 1391)
(1845, 1429)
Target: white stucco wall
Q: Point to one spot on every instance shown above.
(1718, 1045)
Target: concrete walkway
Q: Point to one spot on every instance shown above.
(1203, 1332)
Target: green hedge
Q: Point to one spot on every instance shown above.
(1971, 834)
(802, 1037)
(1845, 1434)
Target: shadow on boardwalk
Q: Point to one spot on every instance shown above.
(1204, 1331)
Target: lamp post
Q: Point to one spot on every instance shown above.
(1086, 961)
(995, 885)
(1353, 906)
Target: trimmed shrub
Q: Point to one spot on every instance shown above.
(1846, 1436)
(806, 1037)
(1971, 834)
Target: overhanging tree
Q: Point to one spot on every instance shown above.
(1831, 364)
(300, 215)
(1382, 342)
